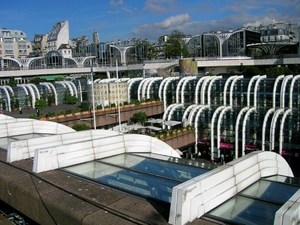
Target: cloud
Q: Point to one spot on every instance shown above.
(158, 6)
(153, 31)
(117, 3)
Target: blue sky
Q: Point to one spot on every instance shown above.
(122, 19)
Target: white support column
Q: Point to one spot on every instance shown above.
(231, 89)
(286, 113)
(161, 88)
(295, 78)
(150, 85)
(252, 109)
(166, 114)
(249, 88)
(145, 87)
(140, 88)
(273, 126)
(220, 120)
(198, 89)
(256, 88)
(283, 90)
(183, 87)
(227, 83)
(178, 89)
(275, 89)
(237, 124)
(33, 86)
(263, 138)
(210, 86)
(8, 98)
(192, 113)
(186, 113)
(212, 138)
(74, 87)
(203, 89)
(166, 88)
(201, 109)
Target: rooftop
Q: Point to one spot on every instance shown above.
(55, 175)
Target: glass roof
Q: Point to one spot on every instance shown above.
(258, 203)
(138, 174)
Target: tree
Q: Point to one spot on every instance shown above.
(40, 104)
(175, 46)
(79, 127)
(139, 117)
(71, 100)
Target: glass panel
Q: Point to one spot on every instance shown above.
(131, 181)
(246, 211)
(270, 191)
(178, 172)
(287, 180)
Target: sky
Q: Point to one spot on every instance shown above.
(145, 19)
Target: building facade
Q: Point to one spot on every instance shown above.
(14, 44)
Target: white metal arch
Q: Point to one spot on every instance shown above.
(263, 138)
(237, 124)
(249, 88)
(33, 96)
(140, 88)
(283, 90)
(54, 92)
(210, 86)
(232, 87)
(161, 88)
(38, 96)
(227, 83)
(212, 123)
(201, 109)
(186, 113)
(10, 89)
(198, 88)
(73, 86)
(279, 78)
(252, 109)
(173, 110)
(183, 87)
(256, 88)
(286, 113)
(130, 84)
(165, 90)
(273, 126)
(145, 87)
(166, 113)
(69, 87)
(150, 85)
(295, 78)
(220, 120)
(192, 113)
(8, 97)
(80, 90)
(206, 81)
(178, 88)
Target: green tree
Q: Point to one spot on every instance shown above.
(139, 117)
(79, 127)
(175, 46)
(71, 100)
(40, 104)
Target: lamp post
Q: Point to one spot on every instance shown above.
(118, 93)
(93, 96)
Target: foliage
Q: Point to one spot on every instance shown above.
(144, 50)
(84, 106)
(36, 80)
(176, 46)
(139, 117)
(71, 100)
(79, 127)
(251, 71)
(40, 104)
(12, 82)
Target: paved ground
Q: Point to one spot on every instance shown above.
(28, 113)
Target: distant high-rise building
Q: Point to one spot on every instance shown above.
(96, 38)
(14, 44)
